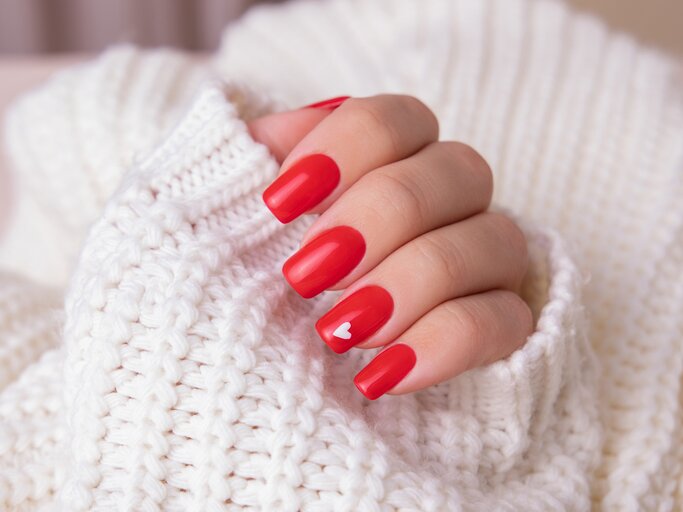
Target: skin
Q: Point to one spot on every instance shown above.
(422, 207)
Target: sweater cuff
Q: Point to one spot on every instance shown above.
(523, 399)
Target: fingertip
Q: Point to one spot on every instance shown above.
(282, 131)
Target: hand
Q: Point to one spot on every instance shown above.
(428, 273)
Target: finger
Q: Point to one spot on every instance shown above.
(452, 338)
(441, 184)
(282, 131)
(484, 252)
(359, 136)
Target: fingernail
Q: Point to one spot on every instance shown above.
(386, 370)
(331, 104)
(355, 318)
(301, 187)
(324, 261)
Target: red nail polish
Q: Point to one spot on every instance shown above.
(386, 370)
(331, 104)
(324, 261)
(301, 187)
(355, 318)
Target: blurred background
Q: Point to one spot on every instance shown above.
(59, 26)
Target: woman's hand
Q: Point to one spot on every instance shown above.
(428, 273)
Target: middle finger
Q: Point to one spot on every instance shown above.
(443, 183)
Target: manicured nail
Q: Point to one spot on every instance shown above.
(324, 261)
(386, 370)
(331, 104)
(301, 187)
(355, 318)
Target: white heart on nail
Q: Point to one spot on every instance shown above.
(343, 331)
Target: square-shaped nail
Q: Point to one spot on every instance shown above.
(386, 370)
(324, 260)
(301, 187)
(355, 318)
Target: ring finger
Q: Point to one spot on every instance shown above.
(455, 336)
(483, 252)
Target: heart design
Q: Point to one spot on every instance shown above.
(343, 331)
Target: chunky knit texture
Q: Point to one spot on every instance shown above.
(189, 376)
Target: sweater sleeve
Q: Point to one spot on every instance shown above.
(189, 359)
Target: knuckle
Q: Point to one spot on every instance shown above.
(374, 123)
(450, 149)
(456, 155)
(417, 109)
(470, 326)
(473, 157)
(521, 318)
(524, 314)
(474, 161)
(512, 237)
(391, 115)
(490, 329)
(442, 258)
(400, 196)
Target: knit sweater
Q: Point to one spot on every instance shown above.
(180, 372)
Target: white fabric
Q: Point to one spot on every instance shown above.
(189, 376)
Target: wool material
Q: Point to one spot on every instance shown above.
(180, 372)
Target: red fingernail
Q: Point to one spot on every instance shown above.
(324, 261)
(301, 187)
(331, 104)
(385, 371)
(355, 318)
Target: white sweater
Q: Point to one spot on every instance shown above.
(183, 374)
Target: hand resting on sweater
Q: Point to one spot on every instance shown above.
(428, 272)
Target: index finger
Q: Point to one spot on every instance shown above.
(362, 134)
